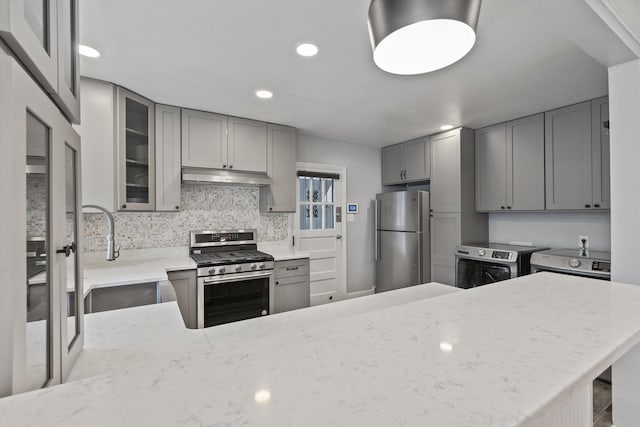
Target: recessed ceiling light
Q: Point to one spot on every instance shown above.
(264, 94)
(262, 396)
(446, 127)
(307, 49)
(446, 347)
(88, 51)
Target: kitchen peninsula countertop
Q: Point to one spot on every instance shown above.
(497, 355)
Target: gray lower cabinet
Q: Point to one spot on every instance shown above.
(406, 162)
(575, 158)
(280, 196)
(186, 288)
(510, 166)
(292, 285)
(446, 233)
(167, 159)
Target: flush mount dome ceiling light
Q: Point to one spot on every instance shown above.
(418, 36)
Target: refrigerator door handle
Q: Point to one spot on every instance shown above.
(376, 243)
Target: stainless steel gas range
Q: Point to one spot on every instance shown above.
(235, 280)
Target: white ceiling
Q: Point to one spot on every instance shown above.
(213, 55)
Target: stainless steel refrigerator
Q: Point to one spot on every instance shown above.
(402, 242)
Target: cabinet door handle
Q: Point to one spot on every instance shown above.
(587, 206)
(230, 166)
(508, 207)
(292, 268)
(67, 250)
(401, 175)
(124, 206)
(501, 207)
(224, 166)
(597, 205)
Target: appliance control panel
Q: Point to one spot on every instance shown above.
(471, 252)
(601, 266)
(501, 255)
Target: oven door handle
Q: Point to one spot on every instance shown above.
(236, 277)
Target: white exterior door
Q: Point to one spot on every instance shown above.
(318, 229)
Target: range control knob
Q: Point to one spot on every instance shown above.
(238, 268)
(254, 266)
(574, 262)
(261, 265)
(221, 270)
(481, 252)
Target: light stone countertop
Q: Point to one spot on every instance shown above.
(496, 355)
(281, 251)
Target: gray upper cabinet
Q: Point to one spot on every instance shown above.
(167, 158)
(491, 168)
(214, 141)
(392, 164)
(525, 164)
(44, 36)
(510, 166)
(600, 153)
(280, 196)
(417, 160)
(247, 145)
(568, 157)
(406, 162)
(135, 152)
(446, 183)
(204, 139)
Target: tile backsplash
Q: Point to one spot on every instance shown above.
(203, 207)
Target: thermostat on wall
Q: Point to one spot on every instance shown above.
(352, 208)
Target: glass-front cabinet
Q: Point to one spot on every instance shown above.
(136, 154)
(67, 94)
(44, 36)
(41, 330)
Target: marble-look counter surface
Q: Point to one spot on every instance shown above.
(281, 251)
(497, 355)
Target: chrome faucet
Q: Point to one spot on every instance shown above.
(113, 252)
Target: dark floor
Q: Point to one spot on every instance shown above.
(601, 404)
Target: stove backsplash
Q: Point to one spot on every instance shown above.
(203, 207)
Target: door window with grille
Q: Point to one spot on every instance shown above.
(317, 203)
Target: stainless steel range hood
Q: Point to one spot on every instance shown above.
(214, 176)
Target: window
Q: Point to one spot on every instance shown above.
(317, 210)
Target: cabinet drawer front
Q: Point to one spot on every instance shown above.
(296, 267)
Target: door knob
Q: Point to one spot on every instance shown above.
(339, 236)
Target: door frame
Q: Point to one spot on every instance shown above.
(341, 289)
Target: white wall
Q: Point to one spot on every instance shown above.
(363, 183)
(624, 113)
(552, 229)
